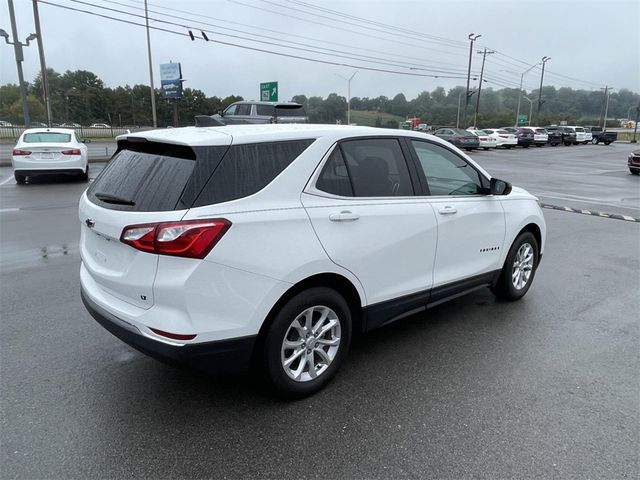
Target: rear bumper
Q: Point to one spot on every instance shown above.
(224, 356)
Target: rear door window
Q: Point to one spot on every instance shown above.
(377, 167)
(243, 109)
(265, 110)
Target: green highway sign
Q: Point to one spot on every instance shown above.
(522, 119)
(269, 92)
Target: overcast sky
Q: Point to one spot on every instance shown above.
(594, 42)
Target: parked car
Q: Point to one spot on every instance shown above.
(191, 259)
(524, 135)
(554, 135)
(588, 136)
(100, 125)
(502, 137)
(580, 134)
(458, 137)
(597, 135)
(540, 136)
(70, 125)
(634, 162)
(256, 112)
(49, 151)
(486, 140)
(5, 124)
(38, 124)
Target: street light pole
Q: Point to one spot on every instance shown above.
(17, 48)
(606, 111)
(544, 61)
(520, 90)
(43, 64)
(472, 37)
(153, 93)
(635, 127)
(530, 108)
(348, 94)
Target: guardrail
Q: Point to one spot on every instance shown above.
(14, 132)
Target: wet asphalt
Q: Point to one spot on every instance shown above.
(547, 387)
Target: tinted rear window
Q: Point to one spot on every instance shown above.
(247, 169)
(580, 129)
(152, 181)
(266, 110)
(292, 111)
(46, 137)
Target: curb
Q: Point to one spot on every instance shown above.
(614, 216)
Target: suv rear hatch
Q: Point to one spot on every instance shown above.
(290, 113)
(145, 182)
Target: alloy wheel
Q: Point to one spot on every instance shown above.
(522, 266)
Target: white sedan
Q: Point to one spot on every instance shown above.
(45, 151)
(486, 140)
(503, 138)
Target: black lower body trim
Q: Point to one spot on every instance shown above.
(224, 356)
(381, 313)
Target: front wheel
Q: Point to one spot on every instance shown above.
(307, 342)
(594, 141)
(607, 143)
(20, 179)
(519, 268)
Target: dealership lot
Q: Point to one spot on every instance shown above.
(543, 387)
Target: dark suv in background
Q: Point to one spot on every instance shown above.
(254, 112)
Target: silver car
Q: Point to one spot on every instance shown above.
(264, 112)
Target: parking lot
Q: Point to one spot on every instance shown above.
(544, 387)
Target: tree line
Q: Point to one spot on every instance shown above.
(81, 97)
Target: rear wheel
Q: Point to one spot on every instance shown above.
(20, 179)
(607, 143)
(538, 145)
(525, 146)
(519, 268)
(85, 176)
(634, 171)
(307, 342)
(594, 141)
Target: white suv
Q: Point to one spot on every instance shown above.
(270, 246)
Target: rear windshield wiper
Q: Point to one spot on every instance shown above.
(108, 198)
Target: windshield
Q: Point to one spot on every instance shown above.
(46, 137)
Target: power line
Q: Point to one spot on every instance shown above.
(333, 52)
(246, 47)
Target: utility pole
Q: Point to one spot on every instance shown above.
(472, 37)
(484, 57)
(43, 65)
(604, 99)
(606, 111)
(153, 93)
(635, 127)
(17, 48)
(540, 102)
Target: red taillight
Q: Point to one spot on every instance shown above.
(503, 136)
(189, 238)
(75, 151)
(175, 336)
(17, 152)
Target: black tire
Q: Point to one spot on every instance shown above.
(525, 146)
(20, 179)
(508, 147)
(85, 176)
(273, 369)
(538, 145)
(607, 143)
(634, 171)
(486, 148)
(567, 144)
(504, 288)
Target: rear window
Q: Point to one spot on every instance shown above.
(540, 130)
(46, 137)
(247, 169)
(580, 129)
(290, 111)
(142, 181)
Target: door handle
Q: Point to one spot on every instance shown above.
(447, 210)
(344, 216)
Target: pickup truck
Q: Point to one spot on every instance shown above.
(599, 136)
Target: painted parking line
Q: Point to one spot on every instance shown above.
(614, 216)
(6, 180)
(7, 210)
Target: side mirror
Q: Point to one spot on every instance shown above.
(220, 113)
(499, 187)
(86, 140)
